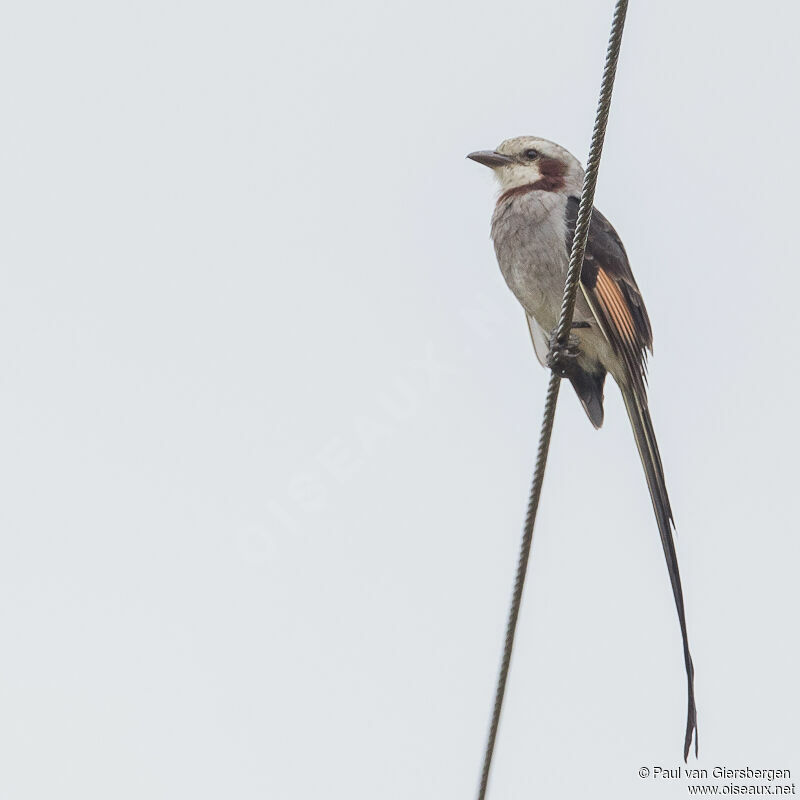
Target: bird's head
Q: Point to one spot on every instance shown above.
(533, 163)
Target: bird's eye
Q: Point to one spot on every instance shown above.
(531, 154)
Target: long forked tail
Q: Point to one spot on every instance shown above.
(651, 461)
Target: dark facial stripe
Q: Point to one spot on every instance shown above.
(552, 168)
(552, 171)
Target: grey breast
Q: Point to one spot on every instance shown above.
(529, 233)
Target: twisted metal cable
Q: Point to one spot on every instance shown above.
(562, 334)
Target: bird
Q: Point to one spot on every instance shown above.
(532, 228)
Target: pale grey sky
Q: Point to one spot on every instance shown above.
(268, 411)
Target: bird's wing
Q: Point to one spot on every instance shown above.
(616, 302)
(612, 293)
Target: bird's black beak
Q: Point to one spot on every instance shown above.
(490, 158)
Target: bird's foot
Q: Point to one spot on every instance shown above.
(562, 356)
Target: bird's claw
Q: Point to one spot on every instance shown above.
(562, 356)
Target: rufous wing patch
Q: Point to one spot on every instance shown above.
(617, 309)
